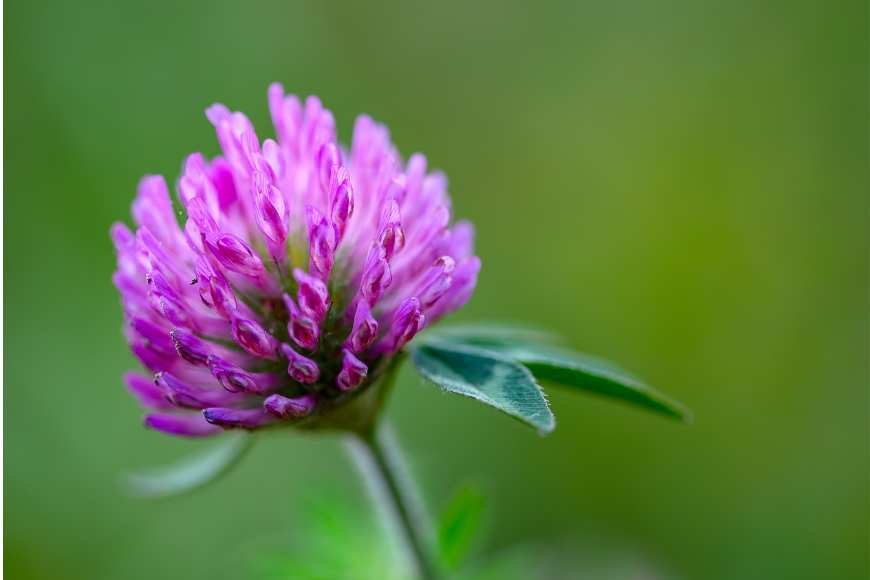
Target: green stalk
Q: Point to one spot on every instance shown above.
(377, 456)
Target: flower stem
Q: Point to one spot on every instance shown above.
(377, 456)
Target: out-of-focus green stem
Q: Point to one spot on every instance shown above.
(377, 455)
(378, 458)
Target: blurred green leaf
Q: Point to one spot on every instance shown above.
(487, 377)
(192, 472)
(457, 525)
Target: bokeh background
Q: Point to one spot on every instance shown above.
(679, 185)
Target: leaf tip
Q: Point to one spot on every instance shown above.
(675, 410)
(684, 414)
(547, 429)
(548, 425)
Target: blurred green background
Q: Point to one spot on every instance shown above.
(680, 186)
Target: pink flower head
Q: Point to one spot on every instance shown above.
(301, 269)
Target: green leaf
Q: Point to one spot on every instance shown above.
(486, 376)
(457, 525)
(191, 472)
(591, 374)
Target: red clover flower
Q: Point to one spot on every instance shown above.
(302, 268)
